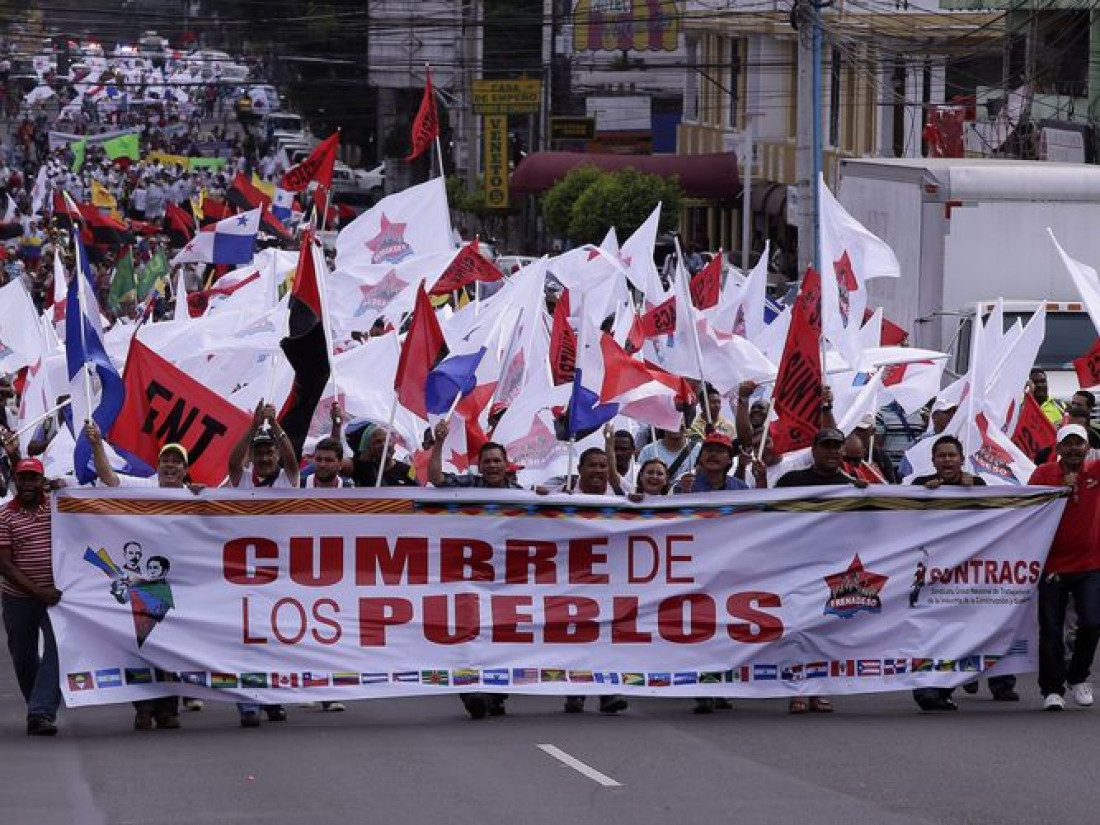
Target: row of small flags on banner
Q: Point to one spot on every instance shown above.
(503, 677)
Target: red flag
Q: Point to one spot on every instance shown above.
(426, 125)
(621, 373)
(1088, 367)
(707, 284)
(892, 334)
(797, 398)
(317, 167)
(214, 210)
(424, 347)
(563, 343)
(1034, 431)
(164, 405)
(469, 265)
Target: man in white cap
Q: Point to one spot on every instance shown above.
(1072, 569)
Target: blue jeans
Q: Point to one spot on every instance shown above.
(1054, 593)
(24, 619)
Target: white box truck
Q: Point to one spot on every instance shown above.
(968, 231)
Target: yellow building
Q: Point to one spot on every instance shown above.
(882, 68)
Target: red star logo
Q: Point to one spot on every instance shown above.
(856, 589)
(379, 296)
(389, 246)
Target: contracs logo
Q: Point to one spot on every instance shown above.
(142, 584)
(388, 246)
(854, 590)
(973, 582)
(377, 297)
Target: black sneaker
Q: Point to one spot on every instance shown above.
(971, 687)
(1006, 695)
(251, 719)
(703, 706)
(476, 705)
(723, 704)
(612, 704)
(932, 703)
(496, 706)
(574, 704)
(41, 726)
(275, 713)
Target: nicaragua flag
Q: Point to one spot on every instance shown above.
(84, 350)
(229, 241)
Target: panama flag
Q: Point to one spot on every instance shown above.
(229, 241)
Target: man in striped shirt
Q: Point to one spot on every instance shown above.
(28, 590)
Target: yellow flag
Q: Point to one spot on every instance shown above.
(267, 188)
(196, 204)
(103, 199)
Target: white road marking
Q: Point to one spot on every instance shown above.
(579, 766)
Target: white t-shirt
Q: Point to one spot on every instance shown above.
(248, 483)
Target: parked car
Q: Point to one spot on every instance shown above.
(508, 264)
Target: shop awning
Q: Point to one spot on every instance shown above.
(708, 177)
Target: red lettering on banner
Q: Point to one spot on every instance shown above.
(326, 621)
(700, 615)
(671, 559)
(297, 612)
(457, 556)
(378, 613)
(237, 567)
(316, 570)
(507, 617)
(522, 556)
(632, 575)
(571, 620)
(624, 622)
(582, 558)
(407, 561)
(756, 627)
(246, 631)
(437, 620)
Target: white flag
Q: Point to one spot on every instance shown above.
(401, 226)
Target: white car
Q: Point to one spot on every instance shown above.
(509, 264)
(371, 179)
(265, 98)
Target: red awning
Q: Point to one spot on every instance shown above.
(709, 177)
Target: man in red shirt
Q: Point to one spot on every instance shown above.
(1072, 569)
(27, 568)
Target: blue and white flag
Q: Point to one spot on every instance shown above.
(98, 396)
(282, 204)
(229, 241)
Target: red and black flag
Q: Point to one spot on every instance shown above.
(306, 348)
(179, 225)
(244, 195)
(425, 127)
(706, 286)
(468, 266)
(103, 230)
(798, 386)
(563, 343)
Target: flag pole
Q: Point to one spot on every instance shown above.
(694, 335)
(81, 301)
(764, 432)
(386, 441)
(39, 419)
(569, 467)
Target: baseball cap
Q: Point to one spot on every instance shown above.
(828, 434)
(30, 465)
(867, 422)
(718, 439)
(262, 438)
(944, 404)
(1063, 433)
(177, 448)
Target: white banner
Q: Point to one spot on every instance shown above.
(277, 596)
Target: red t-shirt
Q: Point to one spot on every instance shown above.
(1076, 545)
(26, 535)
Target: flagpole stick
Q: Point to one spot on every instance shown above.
(273, 373)
(569, 467)
(764, 433)
(39, 419)
(82, 302)
(386, 441)
(694, 338)
(439, 154)
(328, 203)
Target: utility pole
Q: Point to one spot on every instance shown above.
(806, 17)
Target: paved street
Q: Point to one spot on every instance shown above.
(878, 760)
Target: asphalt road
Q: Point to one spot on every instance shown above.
(877, 760)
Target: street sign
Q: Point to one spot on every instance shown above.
(495, 135)
(572, 128)
(507, 97)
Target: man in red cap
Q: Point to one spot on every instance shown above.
(712, 468)
(27, 591)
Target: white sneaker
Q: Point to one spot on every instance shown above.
(1081, 694)
(1052, 701)
(192, 704)
(333, 707)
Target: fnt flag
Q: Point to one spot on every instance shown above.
(423, 348)
(468, 266)
(425, 127)
(164, 405)
(1034, 431)
(563, 343)
(306, 348)
(1088, 367)
(706, 286)
(317, 167)
(798, 392)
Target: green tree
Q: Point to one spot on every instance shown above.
(622, 199)
(557, 203)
